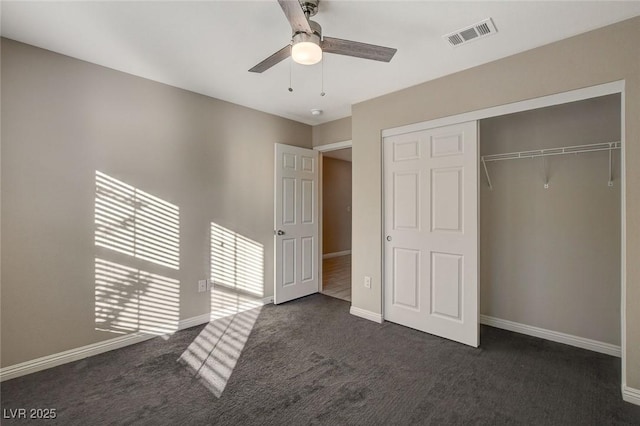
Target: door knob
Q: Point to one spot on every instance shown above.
(389, 238)
(280, 232)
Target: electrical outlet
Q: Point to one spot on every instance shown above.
(202, 286)
(367, 282)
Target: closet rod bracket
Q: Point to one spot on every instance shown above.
(486, 172)
(612, 145)
(545, 172)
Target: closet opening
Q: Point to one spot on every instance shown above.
(550, 223)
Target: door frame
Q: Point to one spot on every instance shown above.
(321, 150)
(615, 87)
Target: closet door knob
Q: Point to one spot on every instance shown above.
(389, 238)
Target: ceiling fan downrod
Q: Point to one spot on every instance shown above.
(309, 7)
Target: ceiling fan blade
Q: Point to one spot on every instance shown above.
(295, 16)
(357, 49)
(280, 55)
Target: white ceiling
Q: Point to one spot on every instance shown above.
(208, 46)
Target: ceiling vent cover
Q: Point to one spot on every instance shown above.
(474, 32)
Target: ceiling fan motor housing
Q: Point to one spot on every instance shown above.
(304, 37)
(315, 28)
(314, 37)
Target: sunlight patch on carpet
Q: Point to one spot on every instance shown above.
(213, 355)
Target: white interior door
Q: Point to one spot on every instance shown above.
(296, 223)
(431, 231)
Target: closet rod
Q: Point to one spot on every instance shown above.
(578, 149)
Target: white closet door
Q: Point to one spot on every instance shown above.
(431, 231)
(296, 222)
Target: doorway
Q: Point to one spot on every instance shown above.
(336, 195)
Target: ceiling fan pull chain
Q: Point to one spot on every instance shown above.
(290, 67)
(322, 80)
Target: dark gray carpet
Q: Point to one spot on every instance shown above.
(311, 362)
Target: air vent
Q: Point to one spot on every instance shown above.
(474, 32)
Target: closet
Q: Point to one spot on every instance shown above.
(516, 214)
(550, 222)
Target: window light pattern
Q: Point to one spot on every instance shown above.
(136, 223)
(128, 300)
(237, 262)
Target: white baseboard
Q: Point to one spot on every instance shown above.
(194, 321)
(555, 336)
(631, 395)
(336, 254)
(371, 316)
(50, 361)
(71, 355)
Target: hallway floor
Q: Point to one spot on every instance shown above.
(336, 277)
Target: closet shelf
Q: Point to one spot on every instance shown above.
(577, 149)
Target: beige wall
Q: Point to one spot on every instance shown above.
(597, 57)
(63, 119)
(550, 258)
(336, 205)
(332, 132)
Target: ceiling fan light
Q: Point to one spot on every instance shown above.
(306, 49)
(306, 53)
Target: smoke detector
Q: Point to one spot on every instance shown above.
(473, 32)
(316, 111)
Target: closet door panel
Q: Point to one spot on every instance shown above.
(431, 232)
(446, 199)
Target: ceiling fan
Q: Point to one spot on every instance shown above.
(308, 44)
